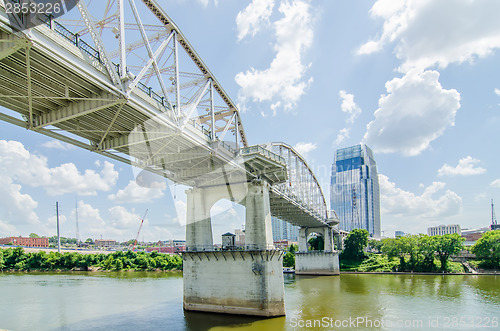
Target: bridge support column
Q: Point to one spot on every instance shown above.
(258, 225)
(248, 282)
(198, 221)
(324, 262)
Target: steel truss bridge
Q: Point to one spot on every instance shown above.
(99, 78)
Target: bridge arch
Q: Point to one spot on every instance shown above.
(301, 188)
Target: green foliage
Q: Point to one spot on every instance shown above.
(354, 245)
(89, 241)
(487, 249)
(293, 248)
(17, 259)
(317, 243)
(34, 235)
(289, 260)
(375, 244)
(446, 246)
(419, 253)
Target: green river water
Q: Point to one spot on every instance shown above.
(153, 301)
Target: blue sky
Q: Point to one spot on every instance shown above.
(414, 80)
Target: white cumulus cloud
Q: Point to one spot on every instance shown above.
(20, 165)
(205, 3)
(466, 167)
(415, 111)
(250, 20)
(15, 207)
(342, 136)
(56, 144)
(431, 203)
(495, 183)
(304, 148)
(133, 193)
(284, 79)
(120, 218)
(348, 106)
(428, 33)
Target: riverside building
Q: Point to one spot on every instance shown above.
(354, 190)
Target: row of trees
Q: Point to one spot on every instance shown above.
(412, 252)
(419, 252)
(18, 259)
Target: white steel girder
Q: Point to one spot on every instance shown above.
(77, 109)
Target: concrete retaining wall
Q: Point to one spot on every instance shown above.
(317, 263)
(234, 282)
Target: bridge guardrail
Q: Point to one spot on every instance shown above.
(264, 152)
(208, 248)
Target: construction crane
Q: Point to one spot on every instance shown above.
(139, 231)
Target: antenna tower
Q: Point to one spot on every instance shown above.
(493, 217)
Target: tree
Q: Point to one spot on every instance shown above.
(317, 243)
(427, 249)
(34, 235)
(89, 241)
(375, 244)
(447, 245)
(487, 249)
(289, 260)
(293, 248)
(354, 245)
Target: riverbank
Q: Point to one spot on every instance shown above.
(17, 259)
(492, 273)
(63, 250)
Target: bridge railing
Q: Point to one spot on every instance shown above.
(262, 151)
(208, 248)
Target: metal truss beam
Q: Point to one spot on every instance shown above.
(74, 110)
(82, 7)
(151, 61)
(158, 11)
(128, 140)
(9, 47)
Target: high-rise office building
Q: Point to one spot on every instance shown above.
(283, 230)
(354, 191)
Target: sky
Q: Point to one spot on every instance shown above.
(413, 79)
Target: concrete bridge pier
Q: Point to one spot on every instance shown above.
(249, 281)
(324, 262)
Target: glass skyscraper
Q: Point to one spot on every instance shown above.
(283, 230)
(354, 191)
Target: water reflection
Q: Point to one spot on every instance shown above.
(143, 301)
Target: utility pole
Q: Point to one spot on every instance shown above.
(58, 236)
(77, 229)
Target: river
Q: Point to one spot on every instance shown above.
(153, 300)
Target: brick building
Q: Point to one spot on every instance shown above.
(22, 241)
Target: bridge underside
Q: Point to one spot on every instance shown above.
(56, 84)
